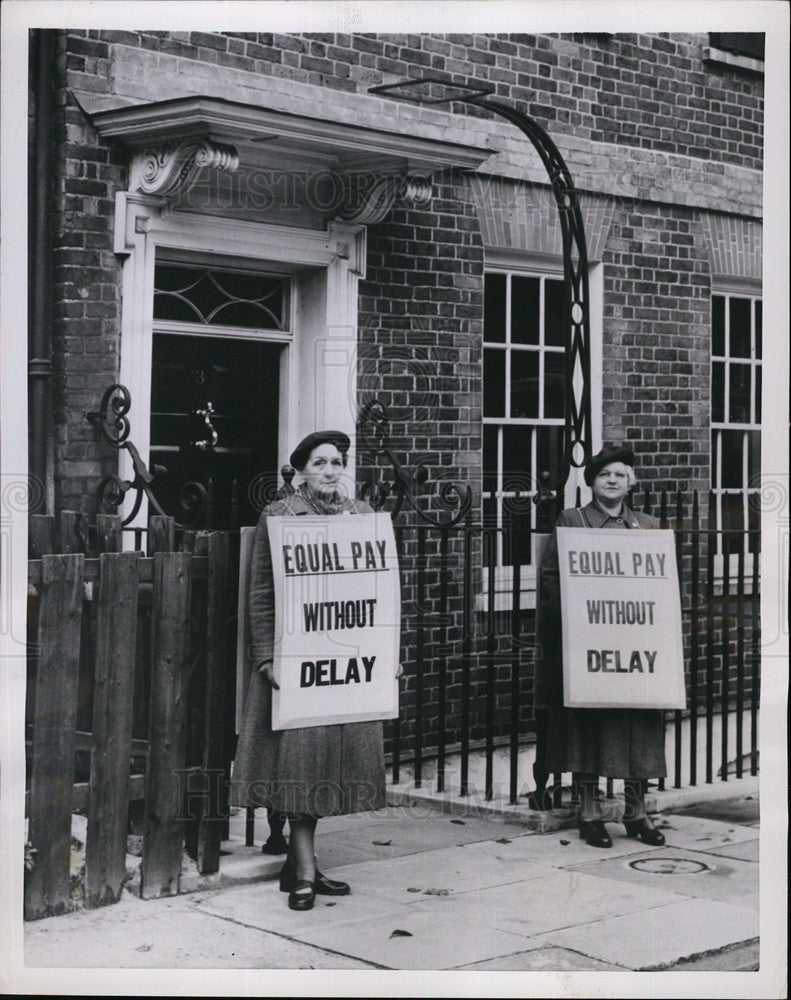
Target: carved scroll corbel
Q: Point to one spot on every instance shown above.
(370, 197)
(172, 169)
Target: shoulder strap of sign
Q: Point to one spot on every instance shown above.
(583, 519)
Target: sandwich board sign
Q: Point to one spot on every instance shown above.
(337, 619)
(621, 610)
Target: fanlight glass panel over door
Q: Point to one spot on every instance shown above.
(240, 379)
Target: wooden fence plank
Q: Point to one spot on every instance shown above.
(47, 885)
(163, 825)
(80, 793)
(211, 826)
(40, 535)
(195, 541)
(116, 634)
(161, 534)
(72, 531)
(198, 570)
(108, 532)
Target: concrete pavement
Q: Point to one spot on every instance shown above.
(432, 890)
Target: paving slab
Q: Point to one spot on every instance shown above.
(166, 934)
(660, 936)
(726, 802)
(419, 939)
(682, 872)
(542, 960)
(748, 851)
(560, 899)
(453, 870)
(565, 847)
(698, 833)
(266, 908)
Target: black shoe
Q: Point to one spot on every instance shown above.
(276, 844)
(594, 833)
(645, 831)
(539, 801)
(323, 886)
(298, 899)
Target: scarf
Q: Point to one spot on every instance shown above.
(323, 503)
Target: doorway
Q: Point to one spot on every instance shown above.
(214, 415)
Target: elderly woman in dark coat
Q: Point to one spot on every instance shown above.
(616, 743)
(321, 770)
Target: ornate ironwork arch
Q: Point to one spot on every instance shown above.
(577, 407)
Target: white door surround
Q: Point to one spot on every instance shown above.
(316, 388)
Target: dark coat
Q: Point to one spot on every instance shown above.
(316, 771)
(614, 743)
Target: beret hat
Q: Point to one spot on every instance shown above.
(301, 453)
(609, 453)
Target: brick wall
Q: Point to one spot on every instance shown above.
(648, 91)
(657, 308)
(86, 274)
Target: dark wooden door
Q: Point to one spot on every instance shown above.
(235, 383)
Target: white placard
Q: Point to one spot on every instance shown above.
(337, 619)
(622, 644)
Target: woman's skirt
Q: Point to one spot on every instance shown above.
(613, 743)
(317, 771)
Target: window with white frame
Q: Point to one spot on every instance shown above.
(523, 404)
(736, 418)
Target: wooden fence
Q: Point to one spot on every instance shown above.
(130, 642)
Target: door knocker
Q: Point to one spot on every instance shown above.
(210, 441)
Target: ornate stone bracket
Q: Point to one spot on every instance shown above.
(173, 168)
(370, 196)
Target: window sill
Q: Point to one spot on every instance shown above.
(503, 600)
(733, 570)
(723, 58)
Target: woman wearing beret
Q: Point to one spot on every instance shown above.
(615, 743)
(321, 770)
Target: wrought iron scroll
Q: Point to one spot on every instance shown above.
(372, 427)
(577, 430)
(112, 422)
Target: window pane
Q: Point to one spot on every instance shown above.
(759, 313)
(516, 537)
(731, 459)
(753, 457)
(754, 522)
(216, 296)
(718, 392)
(757, 417)
(524, 384)
(517, 460)
(524, 310)
(732, 522)
(489, 512)
(549, 450)
(740, 327)
(493, 383)
(718, 326)
(554, 313)
(554, 382)
(739, 394)
(490, 458)
(742, 43)
(494, 308)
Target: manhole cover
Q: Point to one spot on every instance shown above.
(669, 866)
